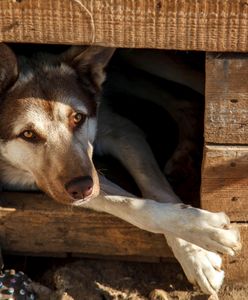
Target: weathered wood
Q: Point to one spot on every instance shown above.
(220, 25)
(236, 267)
(225, 180)
(226, 115)
(33, 223)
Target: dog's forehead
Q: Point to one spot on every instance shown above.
(57, 85)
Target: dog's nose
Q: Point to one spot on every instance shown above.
(80, 187)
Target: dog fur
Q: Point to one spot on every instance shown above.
(42, 146)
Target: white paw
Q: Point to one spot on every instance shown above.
(211, 231)
(201, 267)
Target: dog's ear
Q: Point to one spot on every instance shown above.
(89, 62)
(8, 67)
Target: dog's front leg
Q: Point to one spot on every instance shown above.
(201, 267)
(208, 230)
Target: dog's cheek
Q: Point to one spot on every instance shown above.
(19, 154)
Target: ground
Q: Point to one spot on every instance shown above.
(99, 279)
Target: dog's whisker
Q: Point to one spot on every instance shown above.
(104, 193)
(101, 171)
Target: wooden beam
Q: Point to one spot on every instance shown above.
(226, 115)
(225, 180)
(33, 223)
(207, 25)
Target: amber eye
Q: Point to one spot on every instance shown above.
(78, 118)
(28, 135)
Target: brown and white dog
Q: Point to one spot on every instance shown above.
(49, 124)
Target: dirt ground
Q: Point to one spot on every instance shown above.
(95, 280)
(99, 279)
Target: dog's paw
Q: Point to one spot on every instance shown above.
(211, 231)
(201, 267)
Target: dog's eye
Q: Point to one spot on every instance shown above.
(78, 118)
(28, 135)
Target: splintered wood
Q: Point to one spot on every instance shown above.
(207, 25)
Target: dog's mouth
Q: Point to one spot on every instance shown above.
(66, 198)
(81, 202)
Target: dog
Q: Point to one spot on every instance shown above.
(50, 124)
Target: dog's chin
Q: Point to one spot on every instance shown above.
(81, 202)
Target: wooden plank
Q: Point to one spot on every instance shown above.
(33, 223)
(225, 180)
(208, 25)
(236, 267)
(226, 116)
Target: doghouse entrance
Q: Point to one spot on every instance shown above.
(27, 216)
(34, 225)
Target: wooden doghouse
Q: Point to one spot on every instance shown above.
(33, 224)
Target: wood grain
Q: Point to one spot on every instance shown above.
(236, 267)
(33, 223)
(226, 114)
(225, 180)
(208, 25)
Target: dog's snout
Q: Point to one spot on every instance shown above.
(80, 187)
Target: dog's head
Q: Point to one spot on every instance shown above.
(48, 119)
